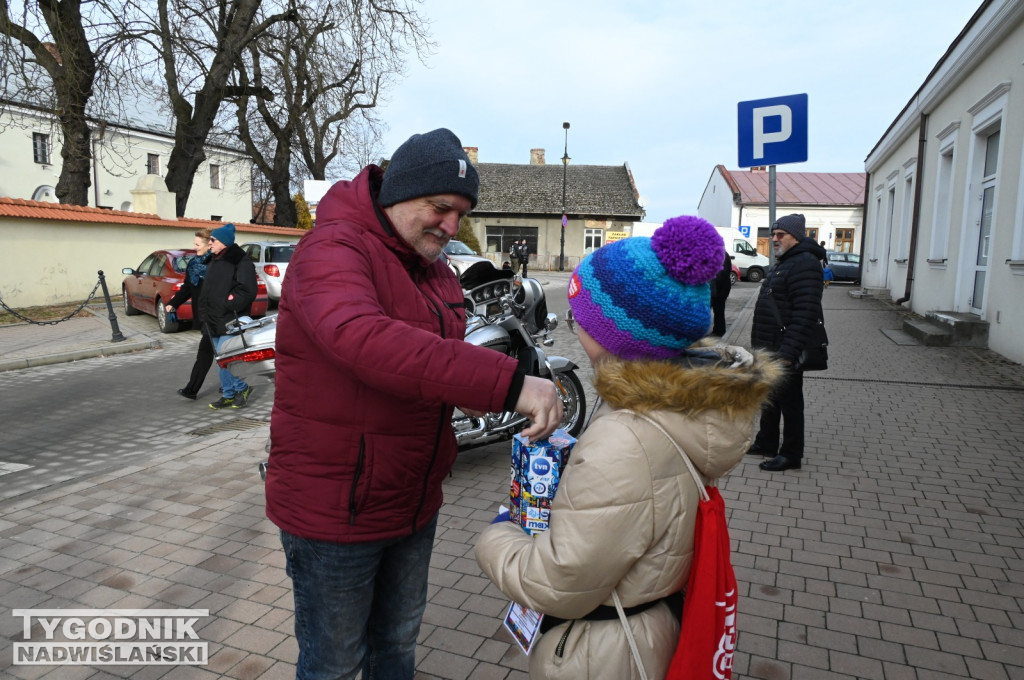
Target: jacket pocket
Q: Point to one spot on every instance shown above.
(357, 476)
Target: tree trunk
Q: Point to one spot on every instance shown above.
(76, 168)
(190, 133)
(73, 70)
(285, 214)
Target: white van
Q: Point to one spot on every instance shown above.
(752, 264)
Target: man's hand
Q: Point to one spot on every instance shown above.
(539, 402)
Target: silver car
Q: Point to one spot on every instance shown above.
(271, 259)
(460, 257)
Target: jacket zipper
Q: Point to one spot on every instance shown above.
(440, 423)
(560, 647)
(360, 461)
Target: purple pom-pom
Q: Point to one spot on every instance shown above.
(690, 249)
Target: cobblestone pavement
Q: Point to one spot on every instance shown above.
(896, 552)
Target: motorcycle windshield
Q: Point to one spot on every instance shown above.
(482, 272)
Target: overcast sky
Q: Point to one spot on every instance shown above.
(655, 83)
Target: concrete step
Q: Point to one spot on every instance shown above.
(968, 330)
(876, 293)
(927, 333)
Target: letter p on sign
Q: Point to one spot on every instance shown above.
(773, 131)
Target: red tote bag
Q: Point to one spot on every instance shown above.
(707, 638)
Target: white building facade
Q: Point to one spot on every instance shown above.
(945, 210)
(831, 202)
(30, 166)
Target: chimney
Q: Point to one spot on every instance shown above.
(759, 168)
(537, 157)
(472, 152)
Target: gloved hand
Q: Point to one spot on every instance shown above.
(503, 516)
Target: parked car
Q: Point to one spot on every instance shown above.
(845, 266)
(271, 259)
(734, 275)
(461, 257)
(150, 286)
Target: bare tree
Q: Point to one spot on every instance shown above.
(52, 35)
(198, 43)
(327, 72)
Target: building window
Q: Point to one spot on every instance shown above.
(844, 240)
(499, 239)
(906, 215)
(812, 233)
(943, 204)
(152, 164)
(41, 148)
(592, 240)
(215, 177)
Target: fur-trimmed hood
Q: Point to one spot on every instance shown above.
(707, 377)
(706, 398)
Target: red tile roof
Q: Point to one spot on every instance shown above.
(797, 188)
(38, 210)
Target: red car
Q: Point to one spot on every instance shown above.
(151, 285)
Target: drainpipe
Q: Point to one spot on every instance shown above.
(915, 221)
(864, 226)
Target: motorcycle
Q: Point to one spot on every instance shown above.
(503, 313)
(509, 315)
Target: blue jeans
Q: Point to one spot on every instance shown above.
(358, 606)
(229, 383)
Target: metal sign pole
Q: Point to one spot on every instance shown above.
(771, 214)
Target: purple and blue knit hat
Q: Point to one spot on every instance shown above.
(649, 298)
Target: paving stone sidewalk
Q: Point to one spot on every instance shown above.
(896, 552)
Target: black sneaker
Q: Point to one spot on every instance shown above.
(241, 398)
(222, 403)
(188, 395)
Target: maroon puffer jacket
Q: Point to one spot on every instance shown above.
(370, 363)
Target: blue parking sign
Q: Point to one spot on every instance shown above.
(773, 131)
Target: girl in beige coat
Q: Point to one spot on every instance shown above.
(623, 518)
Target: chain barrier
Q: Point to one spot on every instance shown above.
(116, 335)
(52, 323)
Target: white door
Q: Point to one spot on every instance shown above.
(979, 267)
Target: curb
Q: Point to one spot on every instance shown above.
(79, 354)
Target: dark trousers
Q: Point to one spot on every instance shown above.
(718, 312)
(204, 359)
(525, 262)
(786, 404)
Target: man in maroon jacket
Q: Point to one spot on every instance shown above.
(370, 364)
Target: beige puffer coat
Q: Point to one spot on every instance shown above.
(623, 517)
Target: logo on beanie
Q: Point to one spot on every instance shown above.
(574, 285)
(462, 168)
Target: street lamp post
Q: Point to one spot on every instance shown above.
(565, 219)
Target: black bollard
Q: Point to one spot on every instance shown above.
(116, 337)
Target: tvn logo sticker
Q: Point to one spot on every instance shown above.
(110, 637)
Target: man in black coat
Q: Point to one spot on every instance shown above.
(524, 256)
(228, 292)
(721, 285)
(788, 306)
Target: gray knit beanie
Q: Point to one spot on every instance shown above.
(794, 224)
(427, 164)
